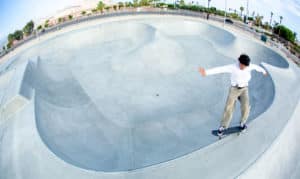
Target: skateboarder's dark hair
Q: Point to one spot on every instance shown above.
(244, 59)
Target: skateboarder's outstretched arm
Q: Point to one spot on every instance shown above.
(216, 70)
(259, 69)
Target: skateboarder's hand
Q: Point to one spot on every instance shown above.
(266, 74)
(202, 71)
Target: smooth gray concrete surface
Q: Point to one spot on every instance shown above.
(296, 173)
(282, 158)
(105, 103)
(15, 91)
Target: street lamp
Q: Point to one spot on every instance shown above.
(208, 2)
(225, 12)
(247, 14)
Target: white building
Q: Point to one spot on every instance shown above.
(74, 10)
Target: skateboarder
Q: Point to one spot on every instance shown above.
(240, 76)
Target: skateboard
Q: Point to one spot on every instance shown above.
(231, 130)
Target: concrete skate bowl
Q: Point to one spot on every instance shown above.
(94, 101)
(110, 100)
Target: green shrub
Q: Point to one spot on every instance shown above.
(285, 33)
(39, 27)
(60, 20)
(28, 29)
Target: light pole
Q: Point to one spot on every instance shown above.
(207, 16)
(247, 14)
(271, 19)
(225, 12)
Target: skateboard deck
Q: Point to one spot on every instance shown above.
(229, 131)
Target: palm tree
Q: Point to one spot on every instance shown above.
(100, 6)
(135, 3)
(280, 19)
(181, 2)
(271, 19)
(241, 9)
(258, 20)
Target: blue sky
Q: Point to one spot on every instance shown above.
(14, 14)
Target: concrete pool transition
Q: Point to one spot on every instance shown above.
(123, 99)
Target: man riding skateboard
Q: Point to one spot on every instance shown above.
(240, 76)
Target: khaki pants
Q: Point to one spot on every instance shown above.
(233, 95)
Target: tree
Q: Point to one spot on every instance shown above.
(235, 16)
(144, 2)
(266, 25)
(107, 8)
(94, 10)
(121, 5)
(70, 17)
(258, 20)
(155, 3)
(135, 3)
(46, 24)
(10, 37)
(128, 4)
(285, 33)
(181, 2)
(28, 29)
(18, 35)
(115, 7)
(60, 20)
(241, 9)
(280, 19)
(83, 13)
(100, 6)
(8, 45)
(39, 27)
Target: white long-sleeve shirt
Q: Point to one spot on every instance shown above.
(239, 77)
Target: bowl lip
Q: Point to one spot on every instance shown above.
(59, 152)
